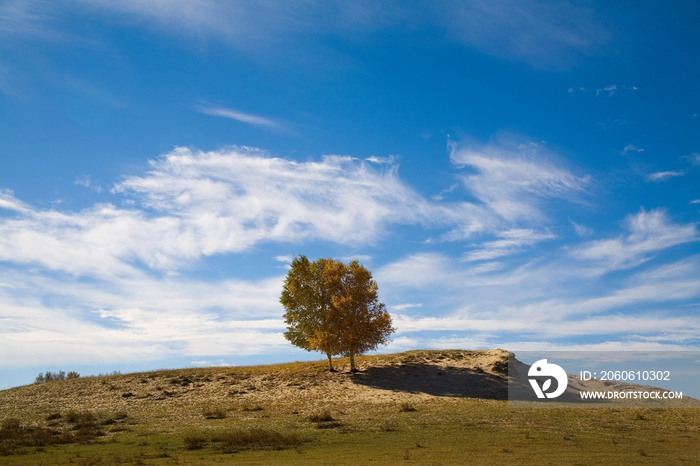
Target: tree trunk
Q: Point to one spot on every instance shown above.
(330, 363)
(352, 362)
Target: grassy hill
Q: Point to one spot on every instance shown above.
(417, 407)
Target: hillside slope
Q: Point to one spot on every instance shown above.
(395, 378)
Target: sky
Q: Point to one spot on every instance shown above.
(515, 173)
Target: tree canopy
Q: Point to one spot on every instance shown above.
(333, 307)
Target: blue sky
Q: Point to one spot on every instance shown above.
(516, 174)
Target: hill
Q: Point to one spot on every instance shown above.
(422, 407)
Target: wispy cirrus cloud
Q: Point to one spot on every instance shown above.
(508, 242)
(513, 178)
(87, 182)
(693, 158)
(547, 328)
(250, 119)
(550, 299)
(608, 90)
(647, 233)
(631, 148)
(664, 176)
(581, 230)
(134, 318)
(544, 34)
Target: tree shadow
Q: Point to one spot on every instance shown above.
(434, 380)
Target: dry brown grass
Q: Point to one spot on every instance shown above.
(164, 395)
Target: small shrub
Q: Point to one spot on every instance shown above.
(84, 425)
(253, 408)
(73, 375)
(323, 416)
(85, 434)
(72, 415)
(194, 441)
(41, 437)
(388, 426)
(14, 436)
(81, 418)
(49, 376)
(214, 413)
(10, 425)
(407, 407)
(53, 416)
(328, 425)
(54, 376)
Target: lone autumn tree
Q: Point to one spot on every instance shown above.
(363, 321)
(333, 308)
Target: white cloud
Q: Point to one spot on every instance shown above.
(581, 230)
(192, 204)
(631, 148)
(663, 176)
(26, 18)
(9, 202)
(544, 34)
(404, 306)
(512, 179)
(417, 271)
(555, 295)
(509, 242)
(361, 258)
(439, 196)
(132, 319)
(648, 232)
(247, 118)
(387, 160)
(549, 327)
(512, 305)
(216, 202)
(86, 181)
(609, 89)
(695, 201)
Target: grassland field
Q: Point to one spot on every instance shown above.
(413, 408)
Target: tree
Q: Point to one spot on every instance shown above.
(307, 297)
(363, 321)
(333, 308)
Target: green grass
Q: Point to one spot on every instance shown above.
(315, 422)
